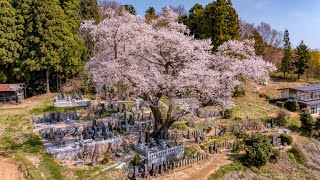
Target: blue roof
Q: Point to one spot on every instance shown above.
(311, 87)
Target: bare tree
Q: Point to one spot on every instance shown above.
(270, 36)
(180, 10)
(105, 4)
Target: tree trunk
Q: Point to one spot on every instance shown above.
(47, 77)
(161, 125)
(284, 75)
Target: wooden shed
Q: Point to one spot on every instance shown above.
(12, 93)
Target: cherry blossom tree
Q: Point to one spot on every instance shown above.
(159, 60)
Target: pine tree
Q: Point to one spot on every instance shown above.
(48, 40)
(224, 22)
(303, 57)
(89, 10)
(130, 9)
(150, 14)
(258, 42)
(286, 63)
(197, 22)
(10, 32)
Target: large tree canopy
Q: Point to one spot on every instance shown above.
(159, 59)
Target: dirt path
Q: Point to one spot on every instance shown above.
(201, 171)
(9, 170)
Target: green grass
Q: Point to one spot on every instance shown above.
(234, 166)
(251, 106)
(29, 170)
(52, 169)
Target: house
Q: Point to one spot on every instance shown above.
(12, 93)
(307, 96)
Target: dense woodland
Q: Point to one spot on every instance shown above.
(41, 43)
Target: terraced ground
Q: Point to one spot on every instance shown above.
(22, 155)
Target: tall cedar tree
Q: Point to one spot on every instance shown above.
(224, 22)
(258, 43)
(89, 10)
(217, 20)
(197, 22)
(130, 9)
(286, 63)
(49, 40)
(303, 57)
(150, 14)
(10, 32)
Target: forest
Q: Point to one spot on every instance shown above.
(42, 45)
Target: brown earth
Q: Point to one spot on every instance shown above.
(9, 170)
(199, 171)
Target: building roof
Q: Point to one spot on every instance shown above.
(310, 87)
(310, 103)
(11, 87)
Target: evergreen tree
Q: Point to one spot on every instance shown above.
(258, 150)
(129, 8)
(10, 32)
(48, 40)
(150, 14)
(307, 122)
(89, 10)
(303, 57)
(72, 10)
(286, 62)
(223, 21)
(197, 22)
(258, 42)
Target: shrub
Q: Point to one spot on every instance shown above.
(264, 95)
(285, 138)
(106, 157)
(307, 122)
(296, 154)
(292, 105)
(317, 125)
(280, 104)
(258, 150)
(281, 119)
(240, 134)
(136, 160)
(239, 91)
(227, 114)
(236, 149)
(274, 158)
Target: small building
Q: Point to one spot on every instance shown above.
(307, 96)
(12, 93)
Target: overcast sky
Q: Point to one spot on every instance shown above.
(300, 17)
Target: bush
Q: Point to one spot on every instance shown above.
(307, 122)
(136, 160)
(264, 95)
(258, 150)
(285, 138)
(296, 154)
(106, 157)
(236, 149)
(317, 125)
(292, 105)
(274, 158)
(239, 91)
(227, 114)
(281, 119)
(280, 104)
(240, 134)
